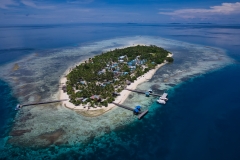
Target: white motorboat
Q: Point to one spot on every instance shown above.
(163, 99)
(17, 107)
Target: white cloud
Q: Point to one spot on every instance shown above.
(223, 9)
(34, 5)
(4, 4)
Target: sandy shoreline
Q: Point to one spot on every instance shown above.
(92, 112)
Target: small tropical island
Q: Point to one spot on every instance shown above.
(101, 80)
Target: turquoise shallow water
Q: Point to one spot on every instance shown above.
(200, 121)
(7, 100)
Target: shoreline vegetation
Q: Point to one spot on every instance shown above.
(94, 84)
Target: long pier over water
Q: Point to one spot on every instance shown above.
(141, 92)
(55, 101)
(141, 113)
(125, 107)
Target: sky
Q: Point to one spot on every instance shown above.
(118, 11)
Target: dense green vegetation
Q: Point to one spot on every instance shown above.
(107, 73)
(169, 59)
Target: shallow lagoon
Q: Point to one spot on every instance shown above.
(53, 126)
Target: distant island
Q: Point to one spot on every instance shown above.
(100, 80)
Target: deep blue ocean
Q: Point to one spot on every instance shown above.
(201, 119)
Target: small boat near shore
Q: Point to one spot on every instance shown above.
(17, 107)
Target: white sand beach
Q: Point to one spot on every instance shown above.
(120, 99)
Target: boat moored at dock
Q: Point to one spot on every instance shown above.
(163, 99)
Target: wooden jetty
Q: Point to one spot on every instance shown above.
(55, 101)
(158, 95)
(125, 107)
(141, 113)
